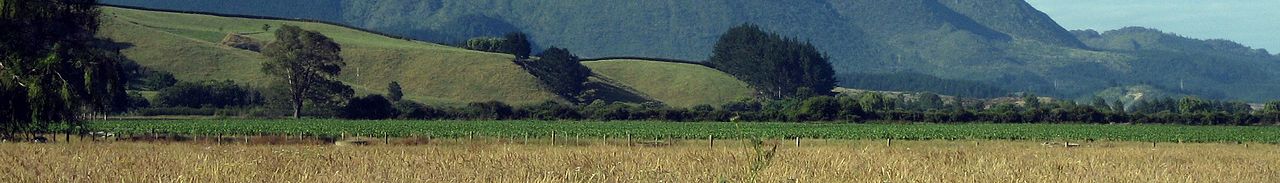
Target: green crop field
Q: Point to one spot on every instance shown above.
(676, 84)
(698, 130)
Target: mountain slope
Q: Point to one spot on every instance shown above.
(1209, 68)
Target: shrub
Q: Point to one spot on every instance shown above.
(821, 108)
(551, 110)
(368, 107)
(489, 110)
(413, 110)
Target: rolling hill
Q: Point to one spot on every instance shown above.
(187, 45)
(676, 84)
(1004, 43)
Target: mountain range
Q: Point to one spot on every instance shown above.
(1001, 43)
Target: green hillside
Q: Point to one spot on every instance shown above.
(1004, 43)
(187, 45)
(675, 84)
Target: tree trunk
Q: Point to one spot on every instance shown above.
(297, 92)
(297, 109)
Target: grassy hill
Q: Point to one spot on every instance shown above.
(676, 84)
(187, 45)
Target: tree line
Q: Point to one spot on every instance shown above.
(839, 108)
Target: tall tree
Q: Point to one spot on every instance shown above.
(517, 43)
(309, 64)
(774, 65)
(393, 91)
(52, 67)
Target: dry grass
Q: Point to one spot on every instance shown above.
(489, 160)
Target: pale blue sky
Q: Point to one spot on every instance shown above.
(1254, 23)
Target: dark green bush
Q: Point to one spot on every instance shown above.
(369, 107)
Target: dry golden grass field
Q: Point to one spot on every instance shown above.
(611, 161)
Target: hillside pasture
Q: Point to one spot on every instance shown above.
(675, 84)
(187, 46)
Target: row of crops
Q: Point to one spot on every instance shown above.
(698, 130)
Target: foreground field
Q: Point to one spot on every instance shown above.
(693, 130)
(687, 161)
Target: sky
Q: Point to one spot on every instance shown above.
(1254, 23)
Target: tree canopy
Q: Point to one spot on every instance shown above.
(309, 64)
(517, 43)
(52, 68)
(776, 66)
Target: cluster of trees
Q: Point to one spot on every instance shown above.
(560, 71)
(515, 43)
(52, 68)
(775, 66)
(208, 94)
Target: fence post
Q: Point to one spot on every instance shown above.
(797, 141)
(629, 143)
(888, 142)
(711, 141)
(386, 140)
(553, 138)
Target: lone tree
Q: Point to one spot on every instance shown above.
(517, 43)
(309, 64)
(52, 68)
(777, 67)
(393, 91)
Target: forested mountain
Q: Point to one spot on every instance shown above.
(1002, 43)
